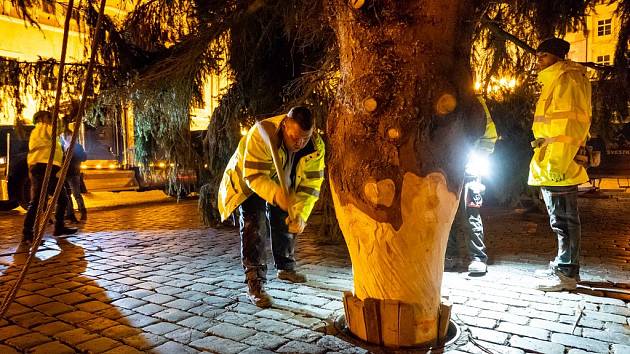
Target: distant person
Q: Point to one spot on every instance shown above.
(39, 149)
(469, 215)
(251, 184)
(73, 177)
(561, 125)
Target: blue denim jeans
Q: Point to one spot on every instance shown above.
(73, 188)
(258, 219)
(564, 219)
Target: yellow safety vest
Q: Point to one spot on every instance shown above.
(561, 125)
(251, 170)
(39, 146)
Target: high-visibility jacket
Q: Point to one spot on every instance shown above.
(39, 146)
(561, 124)
(251, 170)
(487, 141)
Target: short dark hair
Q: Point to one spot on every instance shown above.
(302, 116)
(41, 115)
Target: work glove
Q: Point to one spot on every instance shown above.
(296, 225)
(281, 200)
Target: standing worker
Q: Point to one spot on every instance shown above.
(561, 125)
(39, 149)
(73, 177)
(284, 147)
(470, 203)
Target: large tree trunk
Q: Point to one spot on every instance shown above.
(399, 135)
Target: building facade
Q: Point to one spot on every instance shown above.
(597, 42)
(22, 41)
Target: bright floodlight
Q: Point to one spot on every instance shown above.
(478, 164)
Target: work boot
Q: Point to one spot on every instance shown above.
(556, 282)
(83, 214)
(477, 267)
(63, 230)
(291, 276)
(257, 294)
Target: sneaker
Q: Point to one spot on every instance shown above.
(291, 276)
(65, 231)
(257, 294)
(557, 282)
(477, 267)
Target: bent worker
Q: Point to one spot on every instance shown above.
(251, 182)
(561, 124)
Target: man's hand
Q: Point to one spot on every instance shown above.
(281, 200)
(296, 226)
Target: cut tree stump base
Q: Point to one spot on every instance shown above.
(390, 322)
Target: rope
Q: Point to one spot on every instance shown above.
(39, 216)
(41, 222)
(39, 225)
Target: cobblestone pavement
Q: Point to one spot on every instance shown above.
(150, 278)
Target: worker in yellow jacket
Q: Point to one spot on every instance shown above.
(470, 203)
(39, 149)
(561, 125)
(282, 147)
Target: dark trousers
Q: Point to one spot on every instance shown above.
(564, 219)
(468, 218)
(257, 220)
(73, 188)
(36, 174)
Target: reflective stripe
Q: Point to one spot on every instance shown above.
(308, 190)
(581, 117)
(254, 165)
(540, 142)
(252, 178)
(542, 119)
(562, 139)
(314, 174)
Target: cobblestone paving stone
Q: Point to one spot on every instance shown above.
(151, 278)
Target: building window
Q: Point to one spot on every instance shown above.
(603, 59)
(604, 27)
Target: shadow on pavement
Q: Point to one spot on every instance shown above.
(59, 309)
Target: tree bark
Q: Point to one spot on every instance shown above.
(405, 119)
